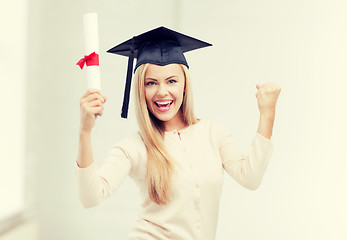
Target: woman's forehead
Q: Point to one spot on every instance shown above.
(157, 71)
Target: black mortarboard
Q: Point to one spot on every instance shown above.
(160, 46)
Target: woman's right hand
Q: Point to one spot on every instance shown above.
(91, 106)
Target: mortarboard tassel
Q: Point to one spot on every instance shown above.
(125, 106)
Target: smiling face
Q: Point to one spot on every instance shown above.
(164, 89)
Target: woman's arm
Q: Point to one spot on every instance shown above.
(90, 186)
(91, 106)
(249, 170)
(95, 184)
(85, 152)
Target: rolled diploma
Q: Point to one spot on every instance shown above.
(91, 36)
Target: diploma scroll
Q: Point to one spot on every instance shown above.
(91, 36)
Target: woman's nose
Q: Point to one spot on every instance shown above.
(162, 90)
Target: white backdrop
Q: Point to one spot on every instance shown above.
(300, 45)
(12, 128)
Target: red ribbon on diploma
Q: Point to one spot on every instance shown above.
(90, 60)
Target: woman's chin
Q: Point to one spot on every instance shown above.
(164, 117)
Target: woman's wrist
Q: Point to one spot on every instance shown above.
(85, 155)
(268, 115)
(85, 132)
(266, 122)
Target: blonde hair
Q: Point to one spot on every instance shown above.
(160, 165)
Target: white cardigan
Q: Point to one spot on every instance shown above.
(202, 152)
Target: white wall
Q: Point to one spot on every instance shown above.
(13, 42)
(26, 230)
(299, 45)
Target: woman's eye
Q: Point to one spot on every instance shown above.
(172, 81)
(150, 83)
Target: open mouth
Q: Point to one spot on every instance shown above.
(164, 104)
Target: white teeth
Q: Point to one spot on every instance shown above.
(164, 103)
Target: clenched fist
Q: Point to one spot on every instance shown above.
(267, 96)
(91, 106)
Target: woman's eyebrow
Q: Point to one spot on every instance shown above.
(171, 77)
(153, 79)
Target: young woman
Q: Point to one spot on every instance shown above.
(176, 160)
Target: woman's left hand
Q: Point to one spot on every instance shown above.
(267, 96)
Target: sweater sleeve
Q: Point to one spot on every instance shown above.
(94, 184)
(248, 170)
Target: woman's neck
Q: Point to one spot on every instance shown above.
(176, 123)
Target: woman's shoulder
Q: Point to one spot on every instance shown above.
(131, 151)
(134, 138)
(132, 146)
(210, 125)
(214, 130)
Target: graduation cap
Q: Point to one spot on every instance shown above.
(160, 46)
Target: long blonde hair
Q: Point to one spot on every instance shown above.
(160, 165)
